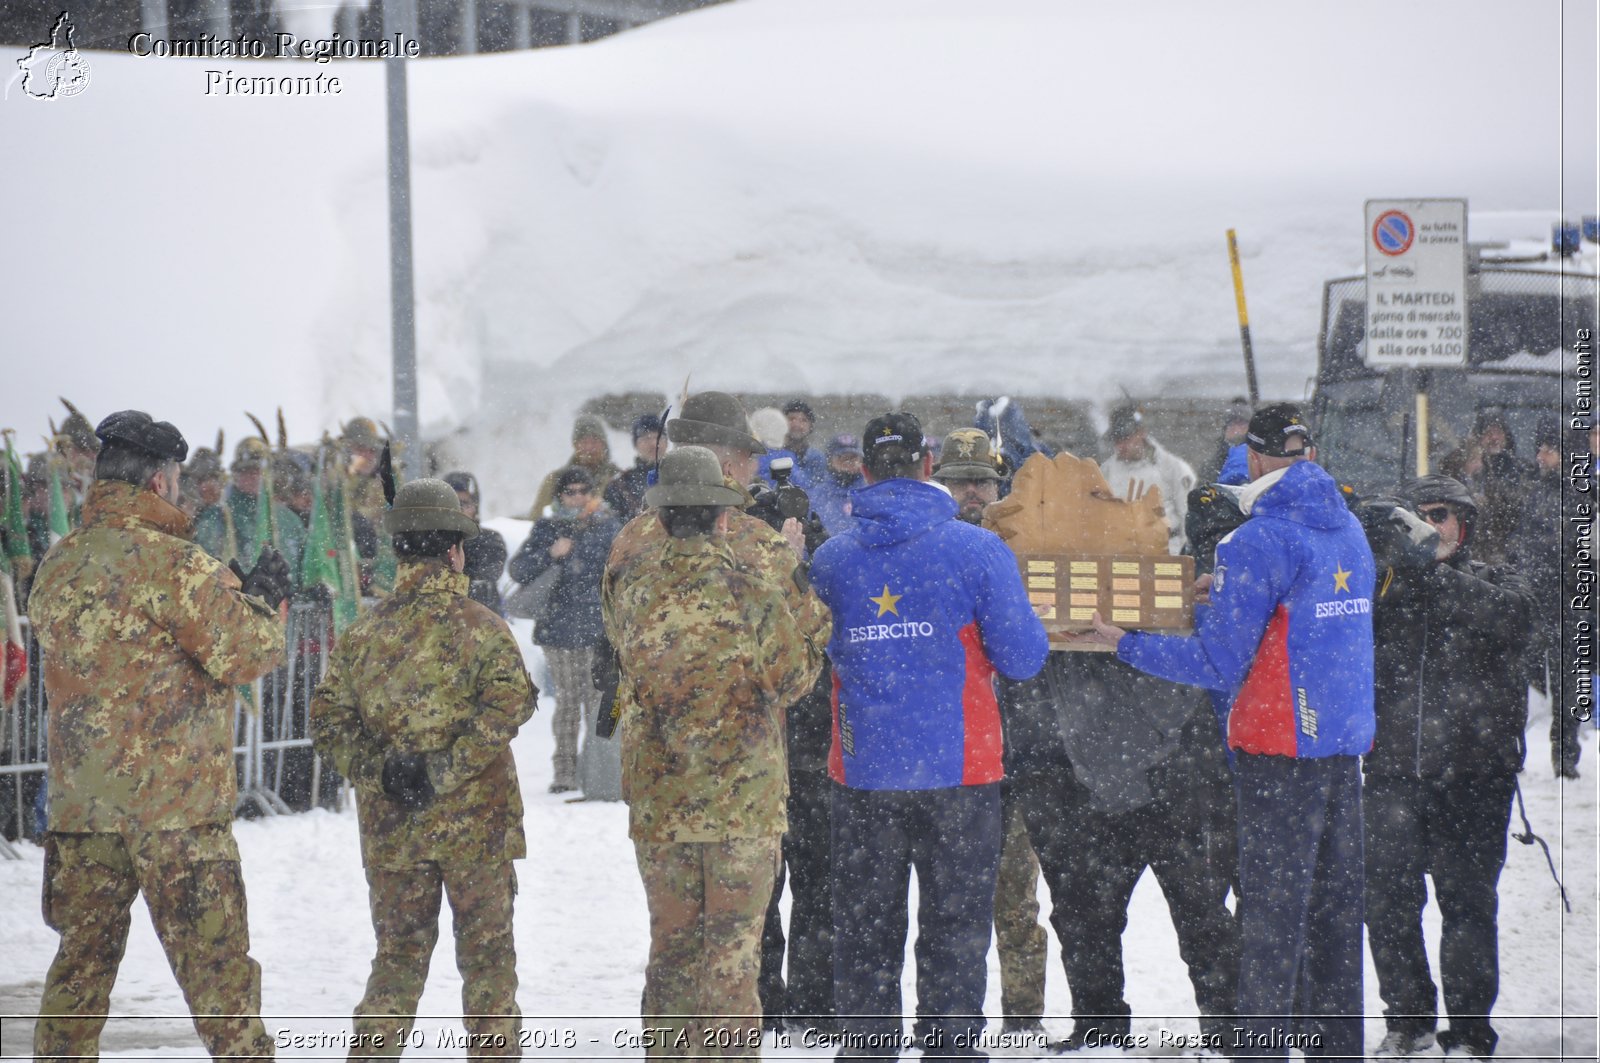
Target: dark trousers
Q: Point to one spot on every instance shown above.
(808, 997)
(1300, 906)
(952, 838)
(1455, 832)
(1092, 860)
(1547, 675)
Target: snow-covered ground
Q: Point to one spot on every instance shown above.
(809, 195)
(582, 935)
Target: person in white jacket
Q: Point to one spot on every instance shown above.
(1138, 463)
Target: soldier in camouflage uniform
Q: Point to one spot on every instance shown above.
(713, 652)
(363, 493)
(418, 708)
(716, 421)
(144, 637)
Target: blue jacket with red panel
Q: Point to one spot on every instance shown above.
(925, 609)
(1288, 636)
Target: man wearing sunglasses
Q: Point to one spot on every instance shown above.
(1451, 710)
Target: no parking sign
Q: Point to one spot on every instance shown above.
(1416, 282)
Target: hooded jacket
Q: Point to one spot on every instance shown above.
(1288, 637)
(926, 609)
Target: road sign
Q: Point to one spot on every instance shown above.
(1416, 282)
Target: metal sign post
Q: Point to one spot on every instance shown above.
(400, 17)
(1417, 291)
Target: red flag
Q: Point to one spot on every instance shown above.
(16, 664)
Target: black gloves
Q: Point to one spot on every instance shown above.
(405, 778)
(269, 580)
(1399, 538)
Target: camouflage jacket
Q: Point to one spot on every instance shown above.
(429, 670)
(712, 654)
(144, 637)
(757, 547)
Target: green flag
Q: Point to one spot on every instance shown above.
(346, 603)
(264, 529)
(59, 524)
(320, 561)
(16, 524)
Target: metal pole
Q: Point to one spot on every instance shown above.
(467, 28)
(400, 17)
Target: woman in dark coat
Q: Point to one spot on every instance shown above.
(570, 549)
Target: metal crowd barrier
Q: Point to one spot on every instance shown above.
(278, 770)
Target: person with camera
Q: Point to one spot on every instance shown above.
(144, 638)
(559, 566)
(713, 653)
(1451, 710)
(418, 706)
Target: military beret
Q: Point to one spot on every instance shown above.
(134, 428)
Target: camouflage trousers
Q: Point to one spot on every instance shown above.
(577, 701)
(191, 885)
(1020, 940)
(405, 919)
(707, 902)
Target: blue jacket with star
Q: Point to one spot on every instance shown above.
(926, 609)
(1288, 637)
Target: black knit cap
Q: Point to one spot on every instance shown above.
(799, 406)
(1125, 421)
(647, 422)
(136, 429)
(892, 439)
(573, 474)
(1278, 431)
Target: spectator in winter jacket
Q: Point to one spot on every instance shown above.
(1490, 467)
(1288, 636)
(591, 452)
(810, 464)
(1451, 708)
(1138, 463)
(1235, 423)
(573, 542)
(830, 496)
(625, 494)
(925, 609)
(1535, 551)
(486, 551)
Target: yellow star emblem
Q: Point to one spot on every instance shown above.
(886, 601)
(1341, 579)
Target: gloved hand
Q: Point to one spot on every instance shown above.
(1399, 538)
(405, 778)
(269, 580)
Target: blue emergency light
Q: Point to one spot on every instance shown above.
(1591, 228)
(1564, 239)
